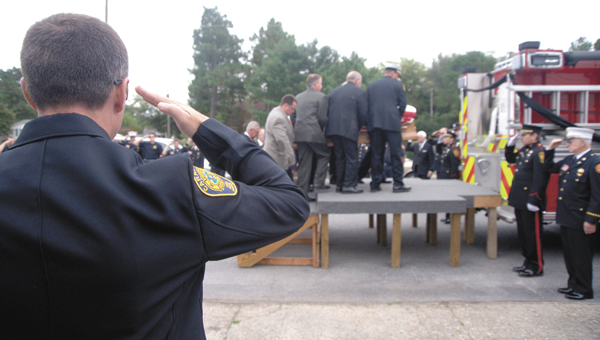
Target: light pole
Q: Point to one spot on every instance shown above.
(106, 13)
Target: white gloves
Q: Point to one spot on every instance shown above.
(532, 207)
(513, 140)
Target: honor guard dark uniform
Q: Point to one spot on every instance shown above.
(449, 159)
(528, 197)
(197, 156)
(578, 202)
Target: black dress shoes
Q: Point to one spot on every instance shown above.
(311, 199)
(322, 187)
(445, 220)
(401, 188)
(338, 189)
(350, 190)
(565, 290)
(376, 189)
(530, 273)
(578, 296)
(519, 269)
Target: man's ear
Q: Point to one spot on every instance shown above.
(122, 92)
(26, 94)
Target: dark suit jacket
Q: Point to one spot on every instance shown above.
(346, 111)
(387, 102)
(96, 243)
(423, 159)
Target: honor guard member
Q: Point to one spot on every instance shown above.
(151, 149)
(96, 243)
(449, 158)
(387, 103)
(577, 208)
(129, 141)
(195, 154)
(528, 197)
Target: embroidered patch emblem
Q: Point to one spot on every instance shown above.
(154, 147)
(456, 152)
(212, 184)
(565, 167)
(541, 155)
(598, 168)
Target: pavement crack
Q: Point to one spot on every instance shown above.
(455, 317)
(233, 321)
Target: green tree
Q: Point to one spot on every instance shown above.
(266, 40)
(13, 106)
(218, 84)
(140, 115)
(597, 45)
(581, 44)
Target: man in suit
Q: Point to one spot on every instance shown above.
(387, 102)
(279, 134)
(528, 197)
(577, 208)
(311, 118)
(96, 243)
(423, 156)
(252, 131)
(347, 113)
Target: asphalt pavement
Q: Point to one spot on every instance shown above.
(362, 297)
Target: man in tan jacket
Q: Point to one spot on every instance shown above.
(279, 134)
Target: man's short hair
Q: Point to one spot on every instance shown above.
(288, 99)
(151, 133)
(352, 76)
(72, 59)
(312, 79)
(253, 125)
(422, 134)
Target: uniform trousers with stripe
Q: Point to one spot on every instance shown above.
(578, 250)
(530, 231)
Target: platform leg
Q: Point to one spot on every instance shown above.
(492, 238)
(454, 239)
(382, 229)
(324, 241)
(415, 220)
(370, 220)
(396, 240)
(433, 229)
(470, 226)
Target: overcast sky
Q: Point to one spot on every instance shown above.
(158, 34)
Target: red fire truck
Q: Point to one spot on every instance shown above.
(551, 88)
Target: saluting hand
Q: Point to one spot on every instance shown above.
(555, 143)
(187, 119)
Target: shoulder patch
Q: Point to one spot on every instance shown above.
(541, 155)
(598, 168)
(212, 184)
(456, 152)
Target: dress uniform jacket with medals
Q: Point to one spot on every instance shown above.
(449, 161)
(530, 179)
(96, 243)
(579, 189)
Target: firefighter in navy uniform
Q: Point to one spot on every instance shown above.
(528, 197)
(449, 157)
(577, 209)
(195, 154)
(449, 161)
(96, 243)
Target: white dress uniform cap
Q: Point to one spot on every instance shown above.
(132, 133)
(393, 67)
(582, 133)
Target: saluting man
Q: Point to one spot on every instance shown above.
(577, 209)
(449, 157)
(528, 197)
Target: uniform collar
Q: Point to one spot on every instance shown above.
(577, 157)
(59, 125)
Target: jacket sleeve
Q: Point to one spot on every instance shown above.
(540, 179)
(322, 113)
(402, 101)
(266, 207)
(549, 165)
(593, 212)
(509, 154)
(363, 109)
(431, 156)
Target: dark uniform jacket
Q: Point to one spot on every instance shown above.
(347, 111)
(387, 102)
(96, 243)
(128, 144)
(422, 159)
(449, 161)
(197, 156)
(530, 179)
(150, 151)
(579, 189)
